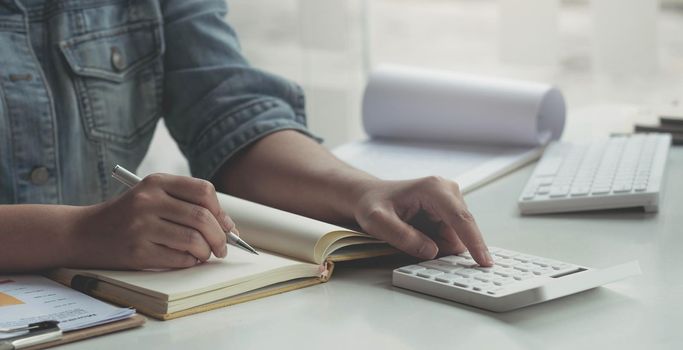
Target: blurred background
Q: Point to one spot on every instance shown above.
(617, 61)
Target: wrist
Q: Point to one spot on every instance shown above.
(75, 233)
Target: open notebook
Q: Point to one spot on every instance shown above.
(467, 128)
(295, 252)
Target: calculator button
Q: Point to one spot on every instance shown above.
(466, 272)
(451, 259)
(495, 291)
(506, 254)
(560, 266)
(469, 263)
(465, 254)
(506, 262)
(526, 267)
(540, 263)
(482, 286)
(484, 269)
(459, 260)
(411, 269)
(440, 265)
(522, 276)
(448, 278)
(502, 281)
(429, 273)
(522, 258)
(482, 278)
(463, 283)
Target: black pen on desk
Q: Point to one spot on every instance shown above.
(129, 179)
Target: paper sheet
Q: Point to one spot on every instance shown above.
(468, 129)
(415, 104)
(469, 165)
(27, 299)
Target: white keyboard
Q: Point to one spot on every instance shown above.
(616, 172)
(516, 280)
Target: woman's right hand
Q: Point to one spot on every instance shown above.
(165, 221)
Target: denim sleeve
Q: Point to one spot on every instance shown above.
(215, 103)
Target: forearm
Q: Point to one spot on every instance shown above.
(288, 170)
(34, 237)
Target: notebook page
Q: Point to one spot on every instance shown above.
(238, 267)
(279, 231)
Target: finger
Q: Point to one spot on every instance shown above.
(448, 241)
(227, 223)
(166, 258)
(196, 217)
(454, 213)
(235, 231)
(181, 238)
(193, 190)
(386, 225)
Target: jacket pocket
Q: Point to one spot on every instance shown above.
(117, 76)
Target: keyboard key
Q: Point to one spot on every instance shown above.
(560, 191)
(600, 190)
(580, 191)
(548, 166)
(640, 187)
(621, 188)
(543, 190)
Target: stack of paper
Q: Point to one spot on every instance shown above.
(29, 299)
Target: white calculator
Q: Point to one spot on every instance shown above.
(516, 279)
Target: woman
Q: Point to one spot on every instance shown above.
(83, 85)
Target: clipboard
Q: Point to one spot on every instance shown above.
(91, 332)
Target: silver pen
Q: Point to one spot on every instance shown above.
(129, 179)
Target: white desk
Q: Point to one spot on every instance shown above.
(359, 308)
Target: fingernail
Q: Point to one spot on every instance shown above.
(224, 253)
(226, 222)
(428, 251)
(489, 258)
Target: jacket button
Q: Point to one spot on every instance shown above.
(39, 175)
(117, 60)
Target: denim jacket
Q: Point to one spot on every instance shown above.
(83, 84)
